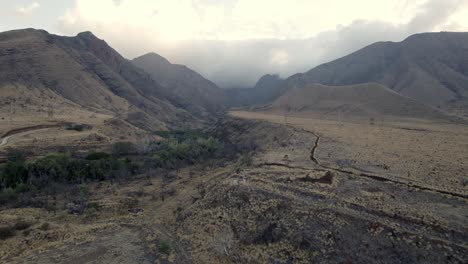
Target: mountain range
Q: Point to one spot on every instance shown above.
(84, 72)
(431, 68)
(412, 78)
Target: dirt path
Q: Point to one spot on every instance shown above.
(371, 176)
(21, 132)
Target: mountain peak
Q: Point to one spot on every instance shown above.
(87, 35)
(27, 32)
(153, 56)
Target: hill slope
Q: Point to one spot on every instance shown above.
(370, 100)
(191, 90)
(430, 67)
(81, 73)
(266, 89)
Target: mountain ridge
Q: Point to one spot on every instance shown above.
(365, 101)
(85, 72)
(190, 89)
(429, 67)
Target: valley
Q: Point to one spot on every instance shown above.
(109, 160)
(354, 201)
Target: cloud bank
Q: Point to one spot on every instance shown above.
(234, 42)
(27, 10)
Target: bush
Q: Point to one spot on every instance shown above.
(7, 196)
(183, 148)
(53, 168)
(14, 154)
(77, 127)
(44, 227)
(164, 247)
(13, 173)
(180, 148)
(62, 168)
(98, 156)
(245, 160)
(22, 225)
(123, 148)
(7, 232)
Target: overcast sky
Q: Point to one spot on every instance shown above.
(234, 42)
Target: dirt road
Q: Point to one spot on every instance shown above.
(21, 132)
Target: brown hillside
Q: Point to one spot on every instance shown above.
(431, 68)
(369, 100)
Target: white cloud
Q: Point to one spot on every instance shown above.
(233, 42)
(27, 9)
(279, 57)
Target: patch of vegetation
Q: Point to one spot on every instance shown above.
(182, 148)
(181, 134)
(164, 247)
(22, 225)
(44, 227)
(98, 156)
(14, 154)
(123, 148)
(178, 149)
(77, 127)
(7, 232)
(19, 177)
(8, 195)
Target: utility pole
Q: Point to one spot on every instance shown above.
(12, 111)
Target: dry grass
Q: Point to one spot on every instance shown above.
(430, 153)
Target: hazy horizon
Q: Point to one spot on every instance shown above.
(233, 43)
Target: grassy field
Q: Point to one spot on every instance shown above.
(428, 153)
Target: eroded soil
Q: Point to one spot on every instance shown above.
(304, 198)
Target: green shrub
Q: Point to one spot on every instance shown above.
(164, 247)
(53, 167)
(7, 196)
(6, 232)
(22, 225)
(183, 148)
(123, 148)
(14, 154)
(13, 173)
(98, 156)
(44, 227)
(245, 160)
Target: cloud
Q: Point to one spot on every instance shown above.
(234, 42)
(433, 13)
(27, 10)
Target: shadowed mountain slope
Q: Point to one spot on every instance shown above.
(266, 89)
(191, 90)
(370, 100)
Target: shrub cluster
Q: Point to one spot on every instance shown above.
(184, 148)
(126, 159)
(62, 168)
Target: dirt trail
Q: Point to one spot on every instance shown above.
(371, 176)
(19, 132)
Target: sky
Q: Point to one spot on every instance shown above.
(235, 42)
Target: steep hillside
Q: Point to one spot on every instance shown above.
(81, 73)
(191, 90)
(430, 67)
(266, 88)
(368, 100)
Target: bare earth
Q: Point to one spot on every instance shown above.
(428, 154)
(317, 191)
